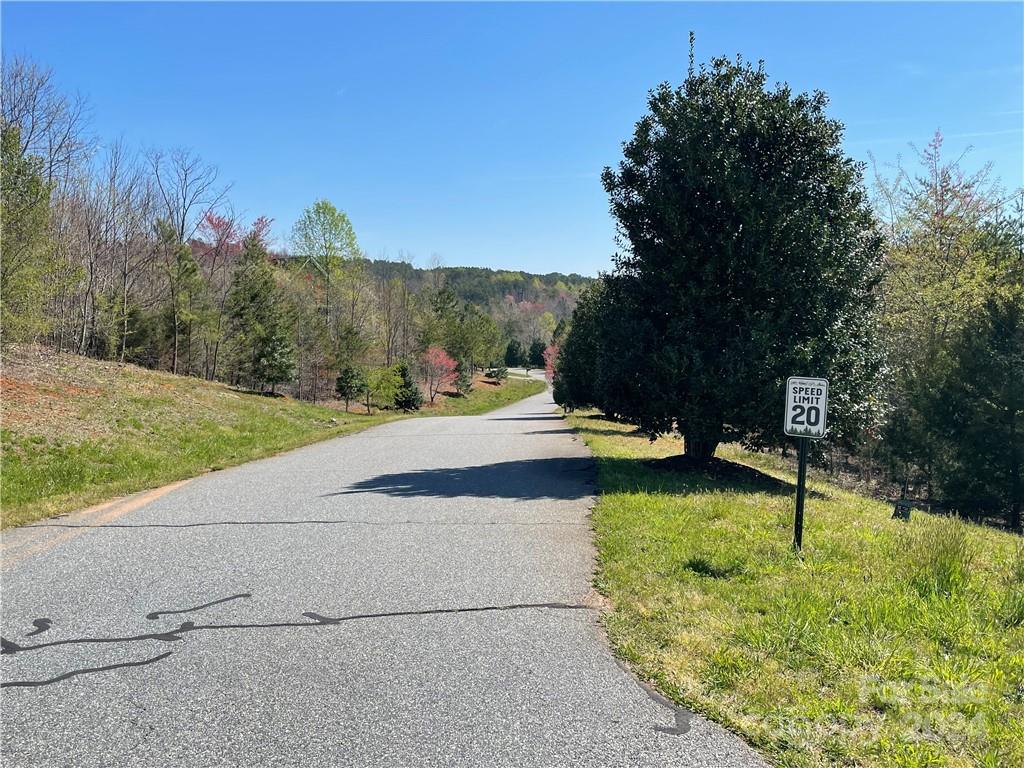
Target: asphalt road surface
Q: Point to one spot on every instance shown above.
(416, 594)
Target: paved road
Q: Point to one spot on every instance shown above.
(417, 594)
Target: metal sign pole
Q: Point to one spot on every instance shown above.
(806, 412)
(801, 483)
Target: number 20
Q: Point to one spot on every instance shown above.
(812, 412)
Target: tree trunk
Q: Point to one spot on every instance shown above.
(700, 447)
(174, 354)
(124, 305)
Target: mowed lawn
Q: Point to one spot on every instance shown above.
(77, 431)
(886, 644)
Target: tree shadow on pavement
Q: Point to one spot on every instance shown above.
(538, 417)
(554, 478)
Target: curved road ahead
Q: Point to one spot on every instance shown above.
(416, 594)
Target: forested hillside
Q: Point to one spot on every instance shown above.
(139, 257)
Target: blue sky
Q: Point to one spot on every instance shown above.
(478, 132)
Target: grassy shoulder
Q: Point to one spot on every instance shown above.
(77, 431)
(886, 644)
(485, 396)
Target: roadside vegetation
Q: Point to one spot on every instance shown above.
(910, 301)
(488, 395)
(138, 257)
(886, 644)
(77, 431)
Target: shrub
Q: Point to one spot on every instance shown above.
(498, 373)
(350, 384)
(464, 377)
(408, 397)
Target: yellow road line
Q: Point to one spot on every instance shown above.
(17, 544)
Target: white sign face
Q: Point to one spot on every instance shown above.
(806, 406)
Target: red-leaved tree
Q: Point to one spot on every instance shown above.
(550, 355)
(438, 370)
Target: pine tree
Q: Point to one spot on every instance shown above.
(261, 352)
(351, 383)
(408, 397)
(979, 413)
(464, 377)
(28, 257)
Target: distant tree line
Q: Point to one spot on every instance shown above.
(138, 257)
(753, 251)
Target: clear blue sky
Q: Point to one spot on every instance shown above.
(479, 131)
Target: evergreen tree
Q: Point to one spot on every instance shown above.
(979, 413)
(515, 355)
(408, 397)
(535, 357)
(28, 256)
(188, 307)
(947, 255)
(351, 383)
(751, 256)
(576, 374)
(464, 377)
(260, 349)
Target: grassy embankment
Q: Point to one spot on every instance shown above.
(886, 644)
(77, 431)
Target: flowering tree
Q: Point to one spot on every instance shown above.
(550, 355)
(438, 370)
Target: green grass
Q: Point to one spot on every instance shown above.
(77, 431)
(487, 397)
(886, 644)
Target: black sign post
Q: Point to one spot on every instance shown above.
(806, 410)
(801, 484)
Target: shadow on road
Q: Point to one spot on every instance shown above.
(538, 417)
(557, 478)
(314, 620)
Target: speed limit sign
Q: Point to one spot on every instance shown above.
(806, 407)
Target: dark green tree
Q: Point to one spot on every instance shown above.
(515, 355)
(408, 397)
(351, 384)
(28, 255)
(472, 336)
(188, 308)
(576, 372)
(979, 413)
(464, 377)
(535, 357)
(260, 349)
(439, 319)
(352, 344)
(750, 254)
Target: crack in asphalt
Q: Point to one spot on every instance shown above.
(384, 524)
